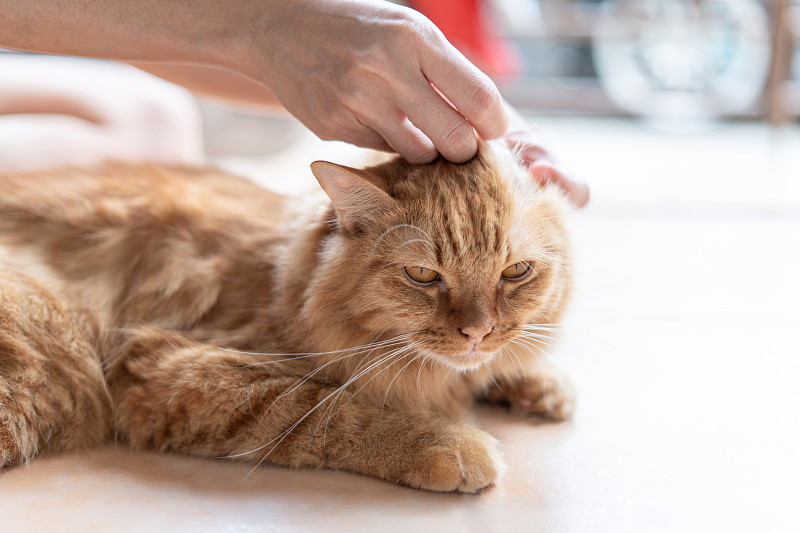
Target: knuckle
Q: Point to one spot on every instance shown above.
(458, 141)
(418, 153)
(410, 30)
(484, 98)
(409, 21)
(423, 29)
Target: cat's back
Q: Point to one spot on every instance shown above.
(121, 194)
(138, 240)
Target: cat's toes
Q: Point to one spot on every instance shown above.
(469, 462)
(550, 395)
(554, 398)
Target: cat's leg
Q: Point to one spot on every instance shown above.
(172, 394)
(52, 393)
(533, 387)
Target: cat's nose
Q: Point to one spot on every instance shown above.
(475, 334)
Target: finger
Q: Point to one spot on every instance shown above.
(576, 190)
(405, 138)
(447, 129)
(530, 153)
(365, 138)
(528, 145)
(471, 91)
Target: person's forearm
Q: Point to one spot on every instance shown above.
(200, 31)
(221, 84)
(367, 72)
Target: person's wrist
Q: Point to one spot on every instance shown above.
(232, 42)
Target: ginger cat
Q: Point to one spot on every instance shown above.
(186, 310)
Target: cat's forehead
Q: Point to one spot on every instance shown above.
(487, 172)
(468, 212)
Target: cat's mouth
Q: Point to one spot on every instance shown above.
(463, 361)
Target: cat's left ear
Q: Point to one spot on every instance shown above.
(354, 198)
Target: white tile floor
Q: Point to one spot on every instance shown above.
(684, 340)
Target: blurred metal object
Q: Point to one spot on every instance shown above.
(783, 94)
(683, 59)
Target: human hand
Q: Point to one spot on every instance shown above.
(377, 75)
(545, 170)
(541, 163)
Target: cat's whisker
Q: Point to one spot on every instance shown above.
(295, 356)
(417, 356)
(543, 339)
(536, 326)
(275, 442)
(248, 397)
(425, 361)
(499, 354)
(519, 368)
(280, 438)
(537, 331)
(531, 345)
(545, 333)
(423, 241)
(357, 374)
(396, 356)
(395, 227)
(366, 350)
(541, 335)
(533, 340)
(446, 377)
(367, 362)
(300, 382)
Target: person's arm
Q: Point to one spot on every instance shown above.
(354, 70)
(367, 72)
(216, 83)
(202, 31)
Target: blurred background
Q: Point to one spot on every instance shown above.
(654, 58)
(657, 103)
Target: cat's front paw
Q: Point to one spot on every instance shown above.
(467, 460)
(550, 394)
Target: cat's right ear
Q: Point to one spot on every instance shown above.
(354, 198)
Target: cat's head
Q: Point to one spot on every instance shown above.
(459, 256)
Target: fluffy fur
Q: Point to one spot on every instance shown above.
(153, 304)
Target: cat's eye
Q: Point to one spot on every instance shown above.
(517, 271)
(422, 275)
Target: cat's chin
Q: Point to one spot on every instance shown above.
(464, 361)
